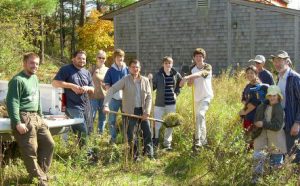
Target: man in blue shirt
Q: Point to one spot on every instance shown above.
(77, 83)
(264, 75)
(116, 72)
(289, 83)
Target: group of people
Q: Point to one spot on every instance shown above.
(101, 90)
(271, 112)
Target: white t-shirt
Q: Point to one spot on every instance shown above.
(202, 87)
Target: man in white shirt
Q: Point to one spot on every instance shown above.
(201, 80)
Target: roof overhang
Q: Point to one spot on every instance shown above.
(111, 15)
(266, 7)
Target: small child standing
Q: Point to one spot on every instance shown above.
(253, 94)
(269, 120)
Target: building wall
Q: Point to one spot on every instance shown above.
(125, 31)
(175, 28)
(262, 32)
(230, 33)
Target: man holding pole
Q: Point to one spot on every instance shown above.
(200, 79)
(136, 100)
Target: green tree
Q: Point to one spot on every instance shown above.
(21, 23)
(96, 34)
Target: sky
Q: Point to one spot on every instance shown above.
(295, 4)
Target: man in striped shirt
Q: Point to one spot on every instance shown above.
(166, 83)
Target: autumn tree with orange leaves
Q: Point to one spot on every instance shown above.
(96, 34)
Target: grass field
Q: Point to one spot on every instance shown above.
(225, 161)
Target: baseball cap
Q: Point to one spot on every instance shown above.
(258, 59)
(274, 90)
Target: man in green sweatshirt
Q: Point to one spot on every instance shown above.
(29, 129)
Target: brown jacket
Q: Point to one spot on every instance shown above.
(128, 102)
(98, 76)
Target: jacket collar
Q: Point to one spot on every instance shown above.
(173, 71)
(115, 66)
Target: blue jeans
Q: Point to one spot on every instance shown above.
(276, 159)
(97, 105)
(79, 129)
(133, 131)
(114, 105)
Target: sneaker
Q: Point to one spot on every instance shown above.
(168, 148)
(151, 158)
(155, 142)
(196, 148)
(112, 141)
(137, 159)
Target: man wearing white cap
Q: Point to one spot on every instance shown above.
(264, 75)
(289, 83)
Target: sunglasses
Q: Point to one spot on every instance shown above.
(101, 57)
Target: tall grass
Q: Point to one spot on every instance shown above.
(225, 161)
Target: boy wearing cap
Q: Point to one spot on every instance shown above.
(264, 75)
(269, 131)
(289, 84)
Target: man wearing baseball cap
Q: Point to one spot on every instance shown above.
(289, 83)
(264, 75)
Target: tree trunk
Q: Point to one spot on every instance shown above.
(61, 30)
(82, 13)
(73, 41)
(41, 41)
(98, 5)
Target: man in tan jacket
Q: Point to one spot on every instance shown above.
(136, 100)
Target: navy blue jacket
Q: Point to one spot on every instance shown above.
(292, 100)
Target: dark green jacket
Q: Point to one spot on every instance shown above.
(276, 122)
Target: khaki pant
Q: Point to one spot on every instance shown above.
(201, 108)
(269, 138)
(159, 112)
(36, 146)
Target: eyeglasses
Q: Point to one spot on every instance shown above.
(134, 67)
(101, 57)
